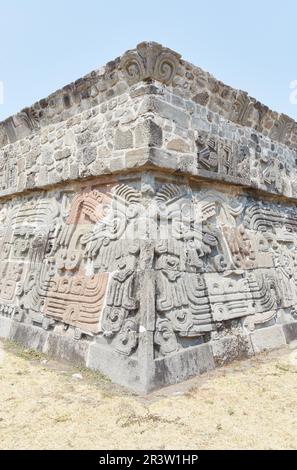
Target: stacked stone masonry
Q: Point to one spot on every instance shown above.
(148, 222)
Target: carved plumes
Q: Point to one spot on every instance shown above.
(30, 118)
(282, 128)
(126, 193)
(242, 108)
(100, 243)
(169, 193)
(183, 308)
(150, 61)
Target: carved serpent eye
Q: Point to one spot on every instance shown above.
(181, 317)
(166, 335)
(171, 262)
(114, 316)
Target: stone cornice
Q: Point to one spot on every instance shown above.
(150, 61)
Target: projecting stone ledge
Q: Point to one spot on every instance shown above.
(145, 110)
(148, 222)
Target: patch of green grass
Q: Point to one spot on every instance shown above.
(107, 388)
(21, 351)
(286, 368)
(231, 412)
(62, 418)
(93, 375)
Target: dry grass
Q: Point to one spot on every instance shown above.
(247, 405)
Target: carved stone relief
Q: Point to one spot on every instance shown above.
(230, 260)
(150, 60)
(70, 259)
(222, 157)
(74, 257)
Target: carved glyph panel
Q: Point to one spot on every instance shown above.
(74, 258)
(232, 259)
(68, 258)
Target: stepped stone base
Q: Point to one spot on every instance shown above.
(148, 222)
(139, 375)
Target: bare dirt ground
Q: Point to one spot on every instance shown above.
(250, 404)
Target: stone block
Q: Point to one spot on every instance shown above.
(181, 366)
(89, 155)
(5, 325)
(67, 349)
(171, 113)
(137, 158)
(123, 139)
(148, 133)
(230, 348)
(266, 339)
(29, 336)
(290, 332)
(120, 369)
(178, 145)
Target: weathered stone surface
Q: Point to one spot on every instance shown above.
(290, 332)
(269, 338)
(89, 155)
(230, 348)
(148, 222)
(178, 367)
(148, 133)
(178, 145)
(123, 140)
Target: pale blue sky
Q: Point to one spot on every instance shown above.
(247, 44)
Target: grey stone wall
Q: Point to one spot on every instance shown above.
(148, 222)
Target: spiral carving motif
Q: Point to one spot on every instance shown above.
(150, 61)
(133, 68)
(165, 67)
